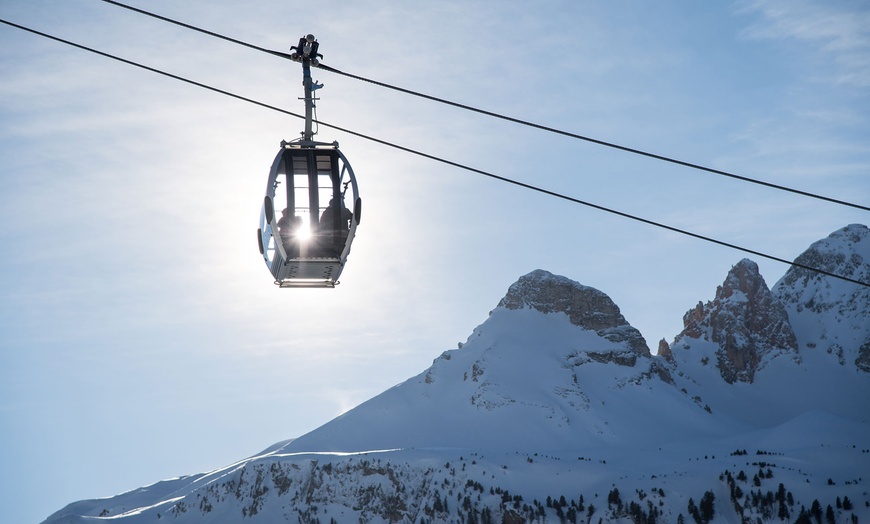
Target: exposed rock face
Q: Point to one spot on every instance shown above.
(829, 314)
(509, 405)
(665, 351)
(844, 253)
(745, 320)
(585, 306)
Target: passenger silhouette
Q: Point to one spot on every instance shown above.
(336, 216)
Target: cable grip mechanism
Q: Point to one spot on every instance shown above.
(306, 49)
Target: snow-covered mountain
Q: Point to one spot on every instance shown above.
(799, 346)
(554, 367)
(829, 315)
(555, 410)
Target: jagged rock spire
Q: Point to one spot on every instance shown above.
(665, 351)
(745, 320)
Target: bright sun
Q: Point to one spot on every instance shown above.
(304, 232)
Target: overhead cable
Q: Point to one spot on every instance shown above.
(199, 29)
(148, 68)
(442, 160)
(504, 117)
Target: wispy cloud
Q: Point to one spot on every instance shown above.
(840, 30)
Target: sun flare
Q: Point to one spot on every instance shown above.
(304, 232)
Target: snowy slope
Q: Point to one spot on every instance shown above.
(812, 457)
(830, 315)
(746, 353)
(809, 390)
(555, 397)
(524, 380)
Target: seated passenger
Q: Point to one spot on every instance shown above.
(335, 217)
(335, 226)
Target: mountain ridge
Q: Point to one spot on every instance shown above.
(556, 395)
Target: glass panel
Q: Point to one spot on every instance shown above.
(302, 205)
(269, 249)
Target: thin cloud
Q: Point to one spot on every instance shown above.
(841, 31)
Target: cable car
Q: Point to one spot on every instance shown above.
(306, 227)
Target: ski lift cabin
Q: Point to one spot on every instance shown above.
(306, 228)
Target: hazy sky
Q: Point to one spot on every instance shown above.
(142, 337)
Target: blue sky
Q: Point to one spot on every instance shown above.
(142, 337)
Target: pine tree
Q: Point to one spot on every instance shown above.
(437, 505)
(780, 493)
(816, 511)
(707, 506)
(572, 515)
(614, 498)
(783, 511)
(803, 517)
(693, 510)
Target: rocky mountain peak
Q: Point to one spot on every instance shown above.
(585, 306)
(744, 278)
(747, 323)
(829, 314)
(536, 399)
(844, 252)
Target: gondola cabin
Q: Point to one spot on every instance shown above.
(308, 220)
